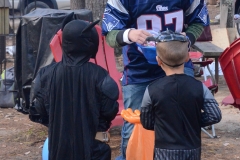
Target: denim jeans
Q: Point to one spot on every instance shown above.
(132, 95)
(189, 71)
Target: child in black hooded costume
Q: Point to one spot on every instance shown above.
(76, 98)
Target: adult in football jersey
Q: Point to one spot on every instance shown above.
(126, 23)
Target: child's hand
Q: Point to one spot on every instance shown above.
(130, 116)
(189, 42)
(150, 44)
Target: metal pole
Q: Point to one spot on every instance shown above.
(13, 16)
(21, 7)
(4, 15)
(2, 49)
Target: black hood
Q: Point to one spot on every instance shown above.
(79, 41)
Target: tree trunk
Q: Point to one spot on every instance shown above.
(77, 4)
(97, 7)
(231, 7)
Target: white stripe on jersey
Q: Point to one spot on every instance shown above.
(117, 5)
(193, 6)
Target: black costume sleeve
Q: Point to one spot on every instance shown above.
(147, 115)
(39, 108)
(211, 112)
(109, 106)
(39, 97)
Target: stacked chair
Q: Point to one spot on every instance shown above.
(230, 63)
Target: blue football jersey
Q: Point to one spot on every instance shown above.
(152, 16)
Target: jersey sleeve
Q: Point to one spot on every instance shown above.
(196, 12)
(115, 16)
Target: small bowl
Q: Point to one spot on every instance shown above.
(150, 53)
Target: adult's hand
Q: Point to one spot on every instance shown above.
(138, 35)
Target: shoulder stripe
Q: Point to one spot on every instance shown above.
(193, 6)
(117, 5)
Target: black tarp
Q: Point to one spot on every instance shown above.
(34, 34)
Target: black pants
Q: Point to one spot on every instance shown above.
(101, 151)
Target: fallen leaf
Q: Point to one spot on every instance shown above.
(226, 144)
(27, 153)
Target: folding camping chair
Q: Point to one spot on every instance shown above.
(104, 58)
(230, 63)
(209, 82)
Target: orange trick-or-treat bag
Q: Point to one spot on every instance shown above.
(141, 143)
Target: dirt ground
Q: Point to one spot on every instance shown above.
(21, 139)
